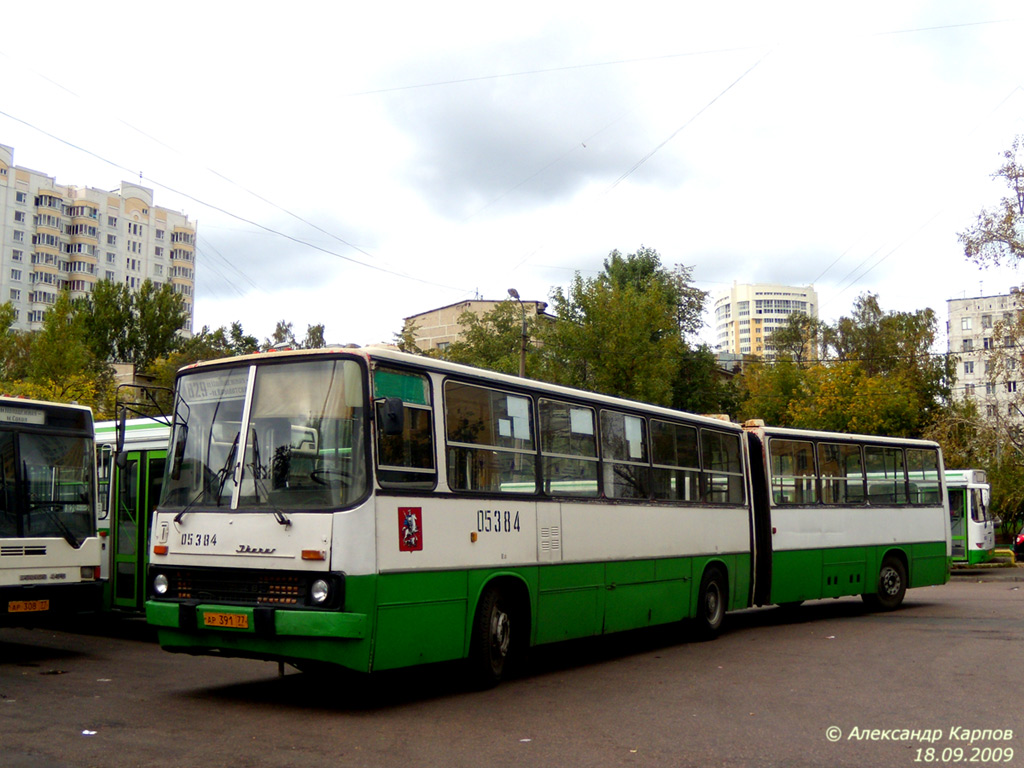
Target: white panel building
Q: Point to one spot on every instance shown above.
(54, 237)
(974, 333)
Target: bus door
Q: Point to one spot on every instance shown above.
(761, 521)
(134, 497)
(958, 521)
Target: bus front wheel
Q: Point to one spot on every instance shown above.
(492, 638)
(891, 586)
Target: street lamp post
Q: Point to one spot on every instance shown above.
(522, 343)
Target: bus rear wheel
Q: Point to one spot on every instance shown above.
(891, 586)
(491, 641)
(711, 603)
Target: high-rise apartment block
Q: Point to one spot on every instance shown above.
(978, 329)
(748, 314)
(55, 237)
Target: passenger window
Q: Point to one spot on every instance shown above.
(676, 458)
(568, 444)
(842, 473)
(722, 467)
(490, 443)
(886, 475)
(923, 474)
(624, 452)
(793, 476)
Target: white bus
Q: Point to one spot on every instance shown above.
(376, 510)
(49, 548)
(973, 531)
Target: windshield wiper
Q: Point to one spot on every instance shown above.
(50, 508)
(222, 476)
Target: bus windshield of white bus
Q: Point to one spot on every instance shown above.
(302, 447)
(55, 473)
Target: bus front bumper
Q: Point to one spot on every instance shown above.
(260, 621)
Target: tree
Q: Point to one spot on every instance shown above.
(493, 340)
(62, 365)
(997, 235)
(127, 327)
(159, 314)
(798, 339)
(618, 337)
(314, 337)
(282, 336)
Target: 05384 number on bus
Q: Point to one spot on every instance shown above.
(497, 521)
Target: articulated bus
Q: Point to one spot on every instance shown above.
(49, 549)
(973, 531)
(128, 493)
(375, 510)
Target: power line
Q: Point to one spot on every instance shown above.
(233, 215)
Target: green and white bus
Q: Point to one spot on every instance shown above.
(376, 510)
(128, 492)
(50, 558)
(973, 531)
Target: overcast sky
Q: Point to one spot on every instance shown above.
(355, 164)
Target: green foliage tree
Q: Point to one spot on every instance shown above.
(158, 315)
(62, 366)
(614, 336)
(314, 337)
(282, 336)
(493, 340)
(798, 339)
(997, 235)
(139, 327)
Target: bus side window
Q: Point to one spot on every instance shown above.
(842, 473)
(793, 475)
(490, 443)
(722, 467)
(886, 474)
(923, 471)
(676, 474)
(626, 467)
(568, 441)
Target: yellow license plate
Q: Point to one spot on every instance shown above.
(28, 606)
(230, 620)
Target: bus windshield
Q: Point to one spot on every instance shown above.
(301, 448)
(56, 473)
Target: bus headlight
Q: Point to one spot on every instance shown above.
(319, 591)
(160, 584)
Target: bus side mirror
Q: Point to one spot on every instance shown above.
(393, 416)
(120, 458)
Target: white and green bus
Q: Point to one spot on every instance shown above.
(376, 510)
(50, 553)
(129, 487)
(972, 529)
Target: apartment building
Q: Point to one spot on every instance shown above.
(748, 314)
(438, 328)
(977, 328)
(55, 237)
